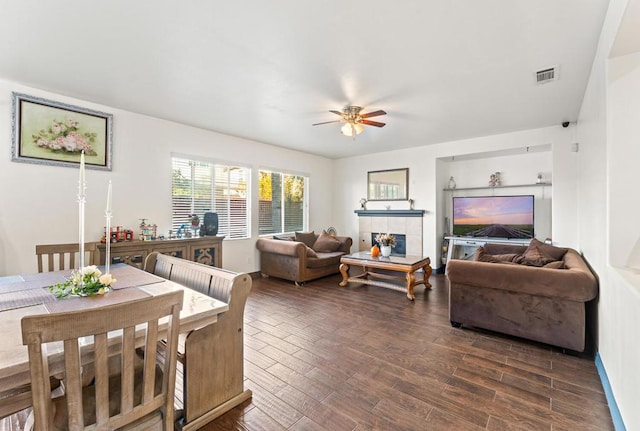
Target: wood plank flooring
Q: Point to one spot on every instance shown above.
(322, 357)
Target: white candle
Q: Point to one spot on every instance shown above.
(81, 180)
(81, 199)
(107, 213)
(109, 198)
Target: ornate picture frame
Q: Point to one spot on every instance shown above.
(47, 132)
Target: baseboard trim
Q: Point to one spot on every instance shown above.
(611, 400)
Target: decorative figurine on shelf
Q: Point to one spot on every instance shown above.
(452, 183)
(147, 231)
(363, 204)
(410, 204)
(539, 180)
(195, 223)
(494, 180)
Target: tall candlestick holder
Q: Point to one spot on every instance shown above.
(107, 216)
(82, 187)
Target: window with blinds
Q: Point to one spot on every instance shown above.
(282, 205)
(198, 187)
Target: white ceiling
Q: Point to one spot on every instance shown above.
(267, 70)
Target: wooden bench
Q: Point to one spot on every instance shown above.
(213, 356)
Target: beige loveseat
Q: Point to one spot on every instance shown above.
(307, 257)
(545, 304)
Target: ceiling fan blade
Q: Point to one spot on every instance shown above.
(327, 122)
(373, 114)
(373, 123)
(336, 112)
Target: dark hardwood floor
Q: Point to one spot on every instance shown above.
(323, 357)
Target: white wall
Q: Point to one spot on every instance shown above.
(623, 97)
(608, 203)
(426, 178)
(39, 202)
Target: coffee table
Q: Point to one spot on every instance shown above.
(382, 268)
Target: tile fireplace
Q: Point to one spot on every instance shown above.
(406, 224)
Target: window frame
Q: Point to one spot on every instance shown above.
(213, 165)
(305, 199)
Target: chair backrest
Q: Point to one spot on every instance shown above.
(70, 326)
(63, 256)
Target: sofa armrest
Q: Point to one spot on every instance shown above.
(345, 244)
(287, 248)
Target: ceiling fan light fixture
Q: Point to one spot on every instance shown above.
(351, 129)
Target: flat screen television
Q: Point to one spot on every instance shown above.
(493, 216)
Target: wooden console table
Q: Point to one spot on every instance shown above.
(206, 250)
(403, 264)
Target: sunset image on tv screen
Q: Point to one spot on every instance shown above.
(493, 216)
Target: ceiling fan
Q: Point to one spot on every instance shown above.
(354, 120)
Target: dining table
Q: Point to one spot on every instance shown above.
(29, 294)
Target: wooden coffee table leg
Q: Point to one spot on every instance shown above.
(427, 273)
(411, 281)
(344, 270)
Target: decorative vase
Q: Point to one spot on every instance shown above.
(385, 250)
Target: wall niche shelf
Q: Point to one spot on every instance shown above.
(497, 187)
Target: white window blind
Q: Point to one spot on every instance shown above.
(199, 187)
(282, 206)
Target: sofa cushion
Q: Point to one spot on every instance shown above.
(535, 256)
(556, 253)
(326, 243)
(308, 238)
(311, 252)
(325, 259)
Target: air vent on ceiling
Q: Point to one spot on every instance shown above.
(546, 75)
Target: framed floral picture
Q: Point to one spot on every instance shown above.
(52, 133)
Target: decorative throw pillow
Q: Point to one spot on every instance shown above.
(552, 251)
(326, 243)
(308, 238)
(311, 252)
(483, 256)
(534, 256)
(558, 264)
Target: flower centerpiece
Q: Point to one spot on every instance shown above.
(88, 281)
(386, 241)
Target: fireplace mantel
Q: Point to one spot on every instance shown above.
(390, 213)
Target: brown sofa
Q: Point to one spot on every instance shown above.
(299, 261)
(540, 303)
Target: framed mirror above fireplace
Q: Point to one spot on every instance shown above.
(388, 185)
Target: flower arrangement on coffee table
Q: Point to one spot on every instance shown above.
(88, 281)
(386, 239)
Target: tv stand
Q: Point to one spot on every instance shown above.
(462, 247)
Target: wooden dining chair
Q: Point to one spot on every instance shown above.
(136, 397)
(63, 256)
